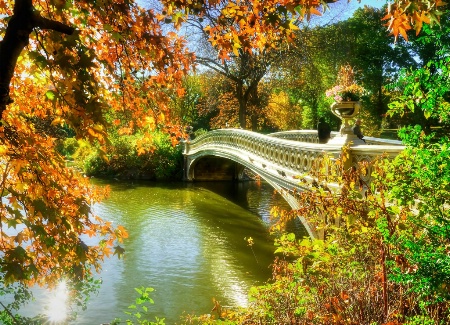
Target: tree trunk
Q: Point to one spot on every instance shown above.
(254, 96)
(242, 105)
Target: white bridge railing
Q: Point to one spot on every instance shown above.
(311, 136)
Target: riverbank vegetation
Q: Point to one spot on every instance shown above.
(385, 256)
(161, 161)
(104, 83)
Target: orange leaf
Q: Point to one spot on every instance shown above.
(314, 11)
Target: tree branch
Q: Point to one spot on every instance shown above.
(45, 23)
(22, 23)
(212, 64)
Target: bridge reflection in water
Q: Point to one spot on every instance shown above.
(278, 158)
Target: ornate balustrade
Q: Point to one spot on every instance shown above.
(309, 136)
(277, 153)
(283, 158)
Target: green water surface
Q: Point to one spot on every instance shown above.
(188, 242)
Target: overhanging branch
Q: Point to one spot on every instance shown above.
(45, 23)
(216, 67)
(22, 23)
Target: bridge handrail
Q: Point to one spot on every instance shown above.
(311, 136)
(248, 140)
(279, 157)
(285, 156)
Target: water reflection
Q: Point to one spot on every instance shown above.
(187, 241)
(56, 308)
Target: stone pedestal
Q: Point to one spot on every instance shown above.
(345, 138)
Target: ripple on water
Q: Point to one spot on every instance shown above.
(187, 241)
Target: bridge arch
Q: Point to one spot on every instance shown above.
(236, 173)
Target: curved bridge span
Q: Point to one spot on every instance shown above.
(278, 158)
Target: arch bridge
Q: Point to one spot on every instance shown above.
(278, 158)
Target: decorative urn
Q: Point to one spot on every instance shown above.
(346, 110)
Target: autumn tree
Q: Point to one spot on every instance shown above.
(185, 107)
(375, 57)
(254, 26)
(282, 113)
(311, 65)
(422, 94)
(244, 69)
(218, 106)
(74, 61)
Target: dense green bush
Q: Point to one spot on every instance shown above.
(125, 158)
(67, 147)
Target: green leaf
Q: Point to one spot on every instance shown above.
(50, 94)
(116, 36)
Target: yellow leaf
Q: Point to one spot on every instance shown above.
(57, 121)
(150, 121)
(292, 26)
(3, 149)
(21, 186)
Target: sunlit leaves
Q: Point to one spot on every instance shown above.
(249, 24)
(261, 23)
(282, 113)
(404, 13)
(50, 95)
(46, 209)
(117, 66)
(425, 91)
(117, 59)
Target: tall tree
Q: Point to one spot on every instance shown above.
(72, 62)
(422, 93)
(360, 41)
(245, 72)
(244, 69)
(374, 55)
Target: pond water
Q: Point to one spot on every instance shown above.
(188, 242)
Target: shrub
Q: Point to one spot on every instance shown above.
(384, 256)
(67, 147)
(127, 158)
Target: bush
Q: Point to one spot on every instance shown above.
(67, 147)
(127, 158)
